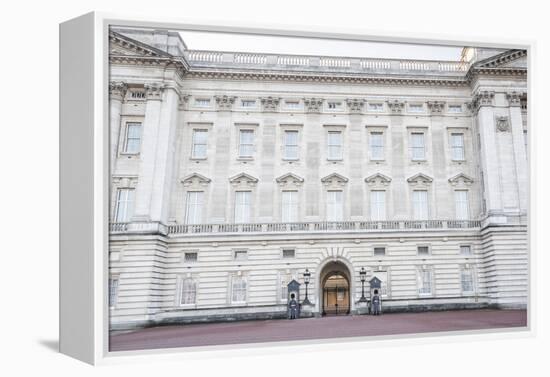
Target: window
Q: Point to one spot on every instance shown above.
(193, 213)
(416, 108)
(457, 147)
(334, 105)
(124, 205)
(188, 292)
(289, 253)
(200, 138)
(133, 137)
(246, 143)
(423, 250)
(248, 103)
(135, 94)
(292, 104)
(335, 207)
(417, 146)
(420, 204)
(379, 251)
(378, 205)
(425, 281)
(467, 279)
(113, 291)
(289, 206)
(202, 102)
(242, 206)
(190, 257)
(454, 108)
(375, 106)
(377, 145)
(238, 289)
(334, 142)
(465, 250)
(240, 255)
(291, 145)
(461, 205)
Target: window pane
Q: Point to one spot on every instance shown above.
(335, 210)
(334, 145)
(417, 144)
(242, 206)
(377, 145)
(124, 205)
(133, 137)
(457, 146)
(188, 292)
(238, 289)
(420, 205)
(461, 204)
(378, 205)
(194, 207)
(291, 144)
(199, 143)
(113, 291)
(465, 250)
(425, 282)
(289, 206)
(466, 279)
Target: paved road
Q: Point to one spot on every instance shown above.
(314, 328)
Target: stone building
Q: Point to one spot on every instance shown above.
(232, 173)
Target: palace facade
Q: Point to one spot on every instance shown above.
(232, 173)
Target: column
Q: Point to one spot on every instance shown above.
(149, 138)
(442, 206)
(117, 91)
(520, 154)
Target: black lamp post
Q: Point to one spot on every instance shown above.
(307, 275)
(363, 276)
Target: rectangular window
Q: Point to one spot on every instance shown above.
(246, 143)
(190, 257)
(461, 205)
(334, 105)
(238, 289)
(378, 205)
(457, 147)
(334, 142)
(420, 204)
(465, 250)
(379, 251)
(292, 104)
(133, 137)
(113, 291)
(454, 109)
(416, 108)
(423, 250)
(188, 292)
(248, 103)
(377, 145)
(375, 106)
(291, 145)
(289, 253)
(200, 138)
(193, 211)
(137, 94)
(289, 206)
(124, 208)
(242, 206)
(240, 255)
(418, 151)
(335, 206)
(425, 282)
(202, 102)
(467, 280)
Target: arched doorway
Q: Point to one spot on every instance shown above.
(335, 289)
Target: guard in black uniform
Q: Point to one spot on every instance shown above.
(292, 307)
(376, 303)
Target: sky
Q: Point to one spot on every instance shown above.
(310, 46)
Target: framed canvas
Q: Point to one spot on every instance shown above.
(224, 187)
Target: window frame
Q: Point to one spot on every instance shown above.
(113, 294)
(454, 148)
(181, 291)
(381, 135)
(252, 145)
(415, 215)
(188, 203)
(472, 280)
(232, 289)
(129, 210)
(294, 206)
(194, 132)
(427, 246)
(469, 246)
(385, 205)
(197, 100)
(340, 208)
(420, 278)
(235, 206)
(329, 145)
(414, 148)
(466, 205)
(127, 125)
(378, 106)
(286, 145)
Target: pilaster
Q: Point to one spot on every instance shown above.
(520, 154)
(117, 92)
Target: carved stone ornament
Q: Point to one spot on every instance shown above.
(436, 107)
(514, 98)
(117, 90)
(225, 102)
(503, 123)
(195, 179)
(481, 98)
(355, 105)
(270, 103)
(289, 179)
(334, 179)
(396, 106)
(378, 179)
(183, 101)
(313, 105)
(461, 179)
(153, 91)
(124, 181)
(420, 180)
(243, 179)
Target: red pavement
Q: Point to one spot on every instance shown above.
(314, 328)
